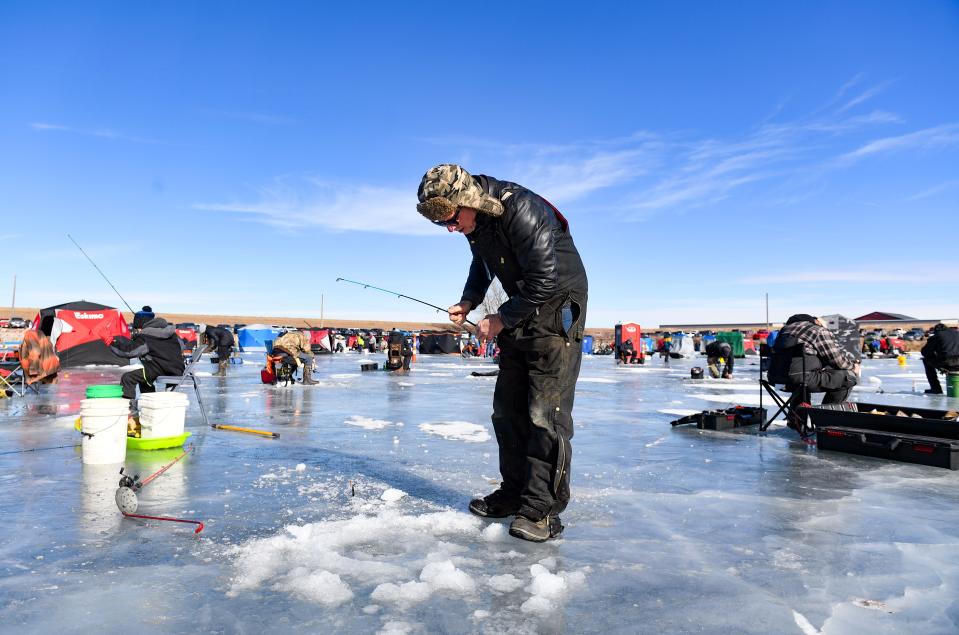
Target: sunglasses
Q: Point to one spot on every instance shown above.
(451, 221)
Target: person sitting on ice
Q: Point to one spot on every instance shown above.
(628, 352)
(156, 343)
(940, 354)
(719, 353)
(296, 346)
(807, 358)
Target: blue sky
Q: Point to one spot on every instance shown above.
(239, 157)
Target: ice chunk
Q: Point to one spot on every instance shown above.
(321, 587)
(392, 495)
(396, 627)
(410, 592)
(446, 577)
(301, 467)
(494, 532)
(506, 583)
(549, 590)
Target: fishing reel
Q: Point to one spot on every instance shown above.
(126, 494)
(127, 481)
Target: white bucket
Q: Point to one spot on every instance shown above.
(162, 414)
(104, 426)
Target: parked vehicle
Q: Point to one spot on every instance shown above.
(17, 323)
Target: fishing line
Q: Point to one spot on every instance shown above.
(400, 295)
(56, 447)
(101, 273)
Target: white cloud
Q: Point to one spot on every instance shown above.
(936, 137)
(936, 189)
(864, 96)
(298, 202)
(102, 133)
(633, 177)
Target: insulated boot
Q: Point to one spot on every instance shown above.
(536, 530)
(221, 369)
(496, 505)
(308, 377)
(933, 391)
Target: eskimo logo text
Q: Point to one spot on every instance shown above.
(87, 316)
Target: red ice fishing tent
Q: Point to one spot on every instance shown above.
(632, 332)
(320, 340)
(82, 331)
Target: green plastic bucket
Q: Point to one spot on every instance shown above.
(952, 384)
(104, 391)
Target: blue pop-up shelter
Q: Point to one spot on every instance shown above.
(253, 337)
(588, 344)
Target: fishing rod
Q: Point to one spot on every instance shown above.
(56, 447)
(101, 273)
(400, 295)
(126, 494)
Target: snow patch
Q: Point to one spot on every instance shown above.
(367, 423)
(597, 380)
(679, 412)
(743, 399)
(457, 431)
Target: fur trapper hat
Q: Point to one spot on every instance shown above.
(448, 186)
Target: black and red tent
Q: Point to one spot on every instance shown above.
(82, 331)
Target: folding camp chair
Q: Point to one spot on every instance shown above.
(799, 394)
(14, 380)
(187, 378)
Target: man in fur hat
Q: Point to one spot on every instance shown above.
(520, 238)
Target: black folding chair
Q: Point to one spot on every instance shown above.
(799, 394)
(186, 379)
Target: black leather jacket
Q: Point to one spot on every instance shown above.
(157, 346)
(942, 345)
(529, 249)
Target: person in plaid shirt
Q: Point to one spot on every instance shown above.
(822, 365)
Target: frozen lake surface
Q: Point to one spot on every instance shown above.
(354, 519)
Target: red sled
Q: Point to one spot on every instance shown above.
(267, 376)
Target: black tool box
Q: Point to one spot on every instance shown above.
(898, 433)
(727, 419)
(925, 423)
(895, 446)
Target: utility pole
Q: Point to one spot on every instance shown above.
(13, 303)
(767, 311)
(321, 310)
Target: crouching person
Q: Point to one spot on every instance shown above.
(719, 359)
(220, 339)
(296, 346)
(155, 343)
